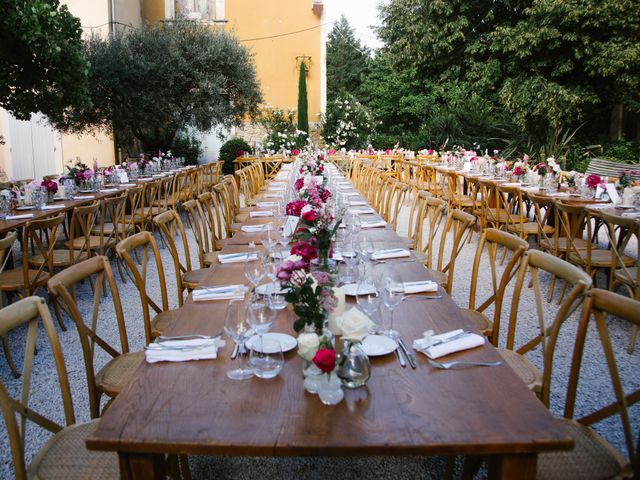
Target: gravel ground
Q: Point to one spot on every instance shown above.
(594, 387)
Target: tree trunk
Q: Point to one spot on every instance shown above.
(616, 124)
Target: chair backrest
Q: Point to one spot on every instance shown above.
(112, 212)
(574, 223)
(82, 222)
(41, 236)
(432, 218)
(17, 411)
(197, 222)
(169, 223)
(6, 244)
(497, 243)
(460, 225)
(136, 206)
(599, 304)
(543, 212)
(139, 245)
(622, 233)
(213, 215)
(64, 286)
(577, 282)
(416, 214)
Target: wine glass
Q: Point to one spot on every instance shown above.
(392, 292)
(275, 296)
(350, 258)
(236, 326)
(368, 298)
(365, 247)
(260, 314)
(254, 272)
(269, 267)
(270, 239)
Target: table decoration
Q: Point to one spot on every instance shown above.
(354, 366)
(330, 388)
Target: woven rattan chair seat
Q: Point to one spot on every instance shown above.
(66, 457)
(479, 320)
(118, 372)
(160, 321)
(94, 242)
(530, 228)
(562, 244)
(523, 368)
(592, 458)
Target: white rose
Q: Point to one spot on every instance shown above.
(308, 344)
(354, 325)
(338, 292)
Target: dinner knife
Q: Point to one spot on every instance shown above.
(411, 359)
(401, 361)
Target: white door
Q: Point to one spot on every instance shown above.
(34, 148)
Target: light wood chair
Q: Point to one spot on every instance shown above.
(200, 227)
(491, 240)
(593, 456)
(6, 244)
(65, 454)
(187, 278)
(393, 200)
(112, 377)
(434, 213)
(578, 282)
(142, 245)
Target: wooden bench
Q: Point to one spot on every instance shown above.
(610, 168)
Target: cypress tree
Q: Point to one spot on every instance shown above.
(303, 116)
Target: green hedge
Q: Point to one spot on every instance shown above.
(228, 153)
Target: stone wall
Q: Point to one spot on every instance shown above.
(254, 133)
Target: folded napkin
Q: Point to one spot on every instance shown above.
(421, 286)
(276, 189)
(261, 213)
(355, 203)
(631, 214)
(511, 184)
(183, 350)
(84, 197)
(266, 204)
(362, 211)
(145, 179)
(426, 344)
(351, 194)
(108, 190)
(52, 207)
(127, 184)
(20, 217)
(374, 224)
(237, 257)
(254, 228)
(272, 195)
(390, 253)
(226, 292)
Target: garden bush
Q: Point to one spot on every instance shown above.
(229, 151)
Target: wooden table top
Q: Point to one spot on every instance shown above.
(193, 408)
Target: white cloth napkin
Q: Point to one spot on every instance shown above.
(52, 207)
(511, 184)
(254, 228)
(421, 286)
(20, 217)
(266, 204)
(261, 213)
(226, 292)
(390, 253)
(276, 188)
(237, 257)
(84, 197)
(351, 194)
(272, 195)
(362, 211)
(145, 179)
(109, 190)
(127, 184)
(184, 350)
(374, 224)
(463, 343)
(355, 203)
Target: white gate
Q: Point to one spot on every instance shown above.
(34, 147)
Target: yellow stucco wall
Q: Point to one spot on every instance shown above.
(152, 10)
(275, 58)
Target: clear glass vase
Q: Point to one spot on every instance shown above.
(354, 366)
(330, 391)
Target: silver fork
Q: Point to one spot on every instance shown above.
(448, 365)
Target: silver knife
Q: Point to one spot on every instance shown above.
(410, 357)
(401, 361)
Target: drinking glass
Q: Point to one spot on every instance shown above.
(350, 258)
(392, 292)
(368, 298)
(275, 296)
(254, 272)
(266, 359)
(269, 267)
(260, 314)
(365, 247)
(238, 329)
(271, 238)
(5, 207)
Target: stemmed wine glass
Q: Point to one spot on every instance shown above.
(260, 315)
(368, 298)
(254, 272)
(365, 247)
(350, 258)
(236, 326)
(271, 238)
(392, 292)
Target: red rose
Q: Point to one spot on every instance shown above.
(325, 359)
(309, 216)
(295, 151)
(299, 183)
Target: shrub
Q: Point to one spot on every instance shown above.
(187, 146)
(229, 151)
(281, 129)
(347, 123)
(623, 151)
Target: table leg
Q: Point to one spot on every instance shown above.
(141, 465)
(521, 466)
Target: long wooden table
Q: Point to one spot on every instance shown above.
(193, 408)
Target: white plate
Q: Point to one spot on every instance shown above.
(378, 345)
(262, 289)
(287, 342)
(619, 207)
(352, 289)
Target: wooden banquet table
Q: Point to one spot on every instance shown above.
(193, 408)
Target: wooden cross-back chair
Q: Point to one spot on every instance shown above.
(593, 456)
(213, 216)
(417, 212)
(224, 210)
(65, 454)
(169, 223)
(512, 201)
(453, 193)
(434, 213)
(163, 202)
(578, 283)
(143, 246)
(200, 227)
(246, 185)
(393, 201)
(6, 244)
(111, 378)
(492, 240)
(431, 180)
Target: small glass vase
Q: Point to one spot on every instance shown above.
(354, 366)
(330, 391)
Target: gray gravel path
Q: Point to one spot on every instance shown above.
(594, 389)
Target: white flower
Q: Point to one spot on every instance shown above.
(292, 258)
(354, 325)
(308, 344)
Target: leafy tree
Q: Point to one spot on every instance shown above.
(152, 82)
(303, 115)
(347, 61)
(347, 123)
(43, 66)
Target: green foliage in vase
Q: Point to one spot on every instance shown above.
(347, 61)
(230, 151)
(43, 66)
(152, 82)
(303, 111)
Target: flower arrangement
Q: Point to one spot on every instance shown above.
(312, 167)
(240, 153)
(541, 169)
(593, 181)
(51, 186)
(553, 165)
(79, 172)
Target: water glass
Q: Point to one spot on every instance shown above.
(260, 314)
(239, 330)
(5, 207)
(368, 298)
(254, 272)
(276, 296)
(266, 358)
(392, 292)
